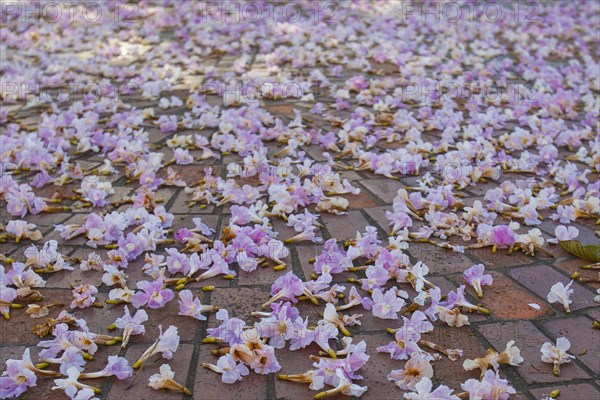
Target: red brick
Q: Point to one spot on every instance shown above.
(137, 385)
(585, 341)
(384, 189)
(570, 266)
(506, 299)
(378, 215)
(540, 279)
(499, 260)
(529, 340)
(344, 227)
(440, 261)
(208, 384)
(579, 391)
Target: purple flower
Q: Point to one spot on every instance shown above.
(166, 344)
(386, 305)
(131, 325)
(230, 329)
(152, 294)
(286, 287)
(422, 391)
(475, 277)
(117, 366)
(132, 245)
(230, 370)
(71, 357)
(83, 296)
(177, 262)
(405, 345)
(191, 307)
(564, 233)
(377, 276)
(491, 386)
(16, 380)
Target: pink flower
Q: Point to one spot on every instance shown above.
(415, 369)
(117, 366)
(406, 345)
(286, 287)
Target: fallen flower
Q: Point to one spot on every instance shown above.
(117, 366)
(422, 391)
(416, 368)
(386, 305)
(490, 387)
(131, 325)
(164, 380)
(191, 307)
(230, 370)
(475, 277)
(511, 355)
(556, 354)
(559, 293)
(152, 293)
(71, 385)
(342, 385)
(167, 343)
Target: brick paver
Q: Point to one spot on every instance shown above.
(519, 280)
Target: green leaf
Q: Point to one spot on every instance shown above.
(590, 252)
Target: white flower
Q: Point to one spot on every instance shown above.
(164, 380)
(556, 354)
(423, 392)
(563, 233)
(415, 369)
(560, 293)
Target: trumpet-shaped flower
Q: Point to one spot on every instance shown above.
(117, 366)
(490, 387)
(164, 380)
(564, 233)
(71, 384)
(16, 379)
(386, 305)
(83, 296)
(511, 355)
(131, 325)
(152, 294)
(560, 293)
(415, 369)
(422, 391)
(286, 287)
(556, 354)
(475, 277)
(231, 371)
(191, 307)
(405, 345)
(166, 344)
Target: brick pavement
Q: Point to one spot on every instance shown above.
(518, 281)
